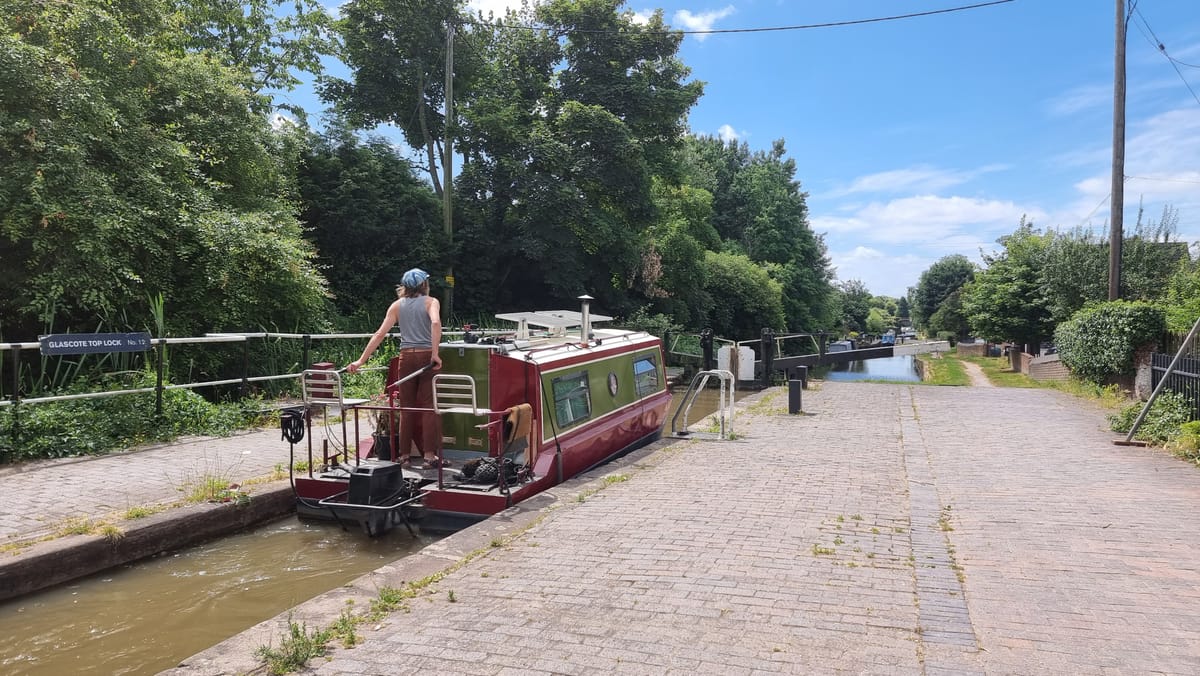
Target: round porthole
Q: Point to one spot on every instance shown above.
(612, 384)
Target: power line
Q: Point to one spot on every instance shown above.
(831, 24)
(1158, 44)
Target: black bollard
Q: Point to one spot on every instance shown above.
(802, 372)
(706, 348)
(795, 387)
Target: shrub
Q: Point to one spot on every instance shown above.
(94, 426)
(1100, 341)
(1161, 424)
(1187, 444)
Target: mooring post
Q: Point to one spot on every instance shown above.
(795, 387)
(768, 355)
(706, 348)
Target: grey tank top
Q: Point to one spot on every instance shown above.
(415, 329)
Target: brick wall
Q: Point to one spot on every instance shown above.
(973, 349)
(1049, 367)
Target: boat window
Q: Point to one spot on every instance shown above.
(572, 400)
(645, 376)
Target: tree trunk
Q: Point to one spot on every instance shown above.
(429, 142)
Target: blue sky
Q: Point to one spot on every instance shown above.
(920, 138)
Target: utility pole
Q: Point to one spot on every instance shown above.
(448, 167)
(1116, 233)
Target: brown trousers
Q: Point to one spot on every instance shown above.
(423, 426)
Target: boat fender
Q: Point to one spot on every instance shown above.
(291, 424)
(517, 422)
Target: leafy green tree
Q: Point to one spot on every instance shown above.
(855, 305)
(1006, 301)
(562, 133)
(133, 168)
(902, 308)
(760, 211)
(369, 217)
(396, 52)
(260, 38)
(877, 321)
(745, 299)
(949, 318)
(941, 279)
(1182, 300)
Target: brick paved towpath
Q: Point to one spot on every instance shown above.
(890, 529)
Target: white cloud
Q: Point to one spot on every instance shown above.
(1079, 99)
(703, 21)
(1162, 166)
(928, 221)
(921, 179)
(883, 273)
(727, 133)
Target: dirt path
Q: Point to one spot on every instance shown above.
(975, 372)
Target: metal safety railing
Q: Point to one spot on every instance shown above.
(724, 411)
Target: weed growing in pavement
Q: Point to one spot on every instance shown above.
(345, 626)
(80, 525)
(143, 511)
(295, 650)
(944, 520)
(213, 488)
(450, 596)
(112, 532)
(818, 550)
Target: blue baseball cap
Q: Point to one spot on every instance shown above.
(413, 278)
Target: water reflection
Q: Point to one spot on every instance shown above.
(146, 617)
(901, 368)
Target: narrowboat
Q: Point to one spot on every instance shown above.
(521, 411)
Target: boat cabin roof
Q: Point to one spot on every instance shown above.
(551, 319)
(556, 342)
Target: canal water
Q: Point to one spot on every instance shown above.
(899, 369)
(145, 617)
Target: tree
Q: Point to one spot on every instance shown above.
(256, 38)
(936, 284)
(855, 304)
(135, 169)
(760, 211)
(745, 299)
(877, 321)
(949, 318)
(902, 308)
(369, 217)
(562, 134)
(1005, 302)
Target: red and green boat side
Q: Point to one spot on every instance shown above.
(554, 404)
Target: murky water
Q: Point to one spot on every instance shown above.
(147, 616)
(899, 368)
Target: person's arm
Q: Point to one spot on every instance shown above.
(434, 308)
(389, 320)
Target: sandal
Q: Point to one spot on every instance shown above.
(435, 463)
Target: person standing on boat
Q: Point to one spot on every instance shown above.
(418, 316)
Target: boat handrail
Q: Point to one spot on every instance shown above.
(455, 393)
(724, 403)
